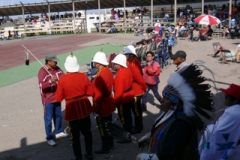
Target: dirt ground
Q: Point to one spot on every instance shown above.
(22, 134)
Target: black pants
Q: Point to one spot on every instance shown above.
(107, 141)
(124, 113)
(137, 111)
(83, 126)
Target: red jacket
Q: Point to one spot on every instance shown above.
(47, 88)
(139, 86)
(151, 73)
(123, 86)
(103, 99)
(75, 89)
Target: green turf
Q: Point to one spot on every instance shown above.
(23, 72)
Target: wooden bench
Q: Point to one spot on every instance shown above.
(37, 32)
(216, 34)
(63, 30)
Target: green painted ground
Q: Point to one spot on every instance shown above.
(23, 72)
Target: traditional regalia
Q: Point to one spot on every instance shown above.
(174, 134)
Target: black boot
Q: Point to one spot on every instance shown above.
(102, 151)
(88, 146)
(88, 156)
(136, 130)
(110, 142)
(105, 145)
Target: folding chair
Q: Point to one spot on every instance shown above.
(143, 53)
(153, 47)
(227, 55)
(217, 47)
(149, 46)
(231, 55)
(139, 52)
(109, 59)
(92, 71)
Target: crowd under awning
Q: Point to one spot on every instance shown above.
(73, 5)
(62, 6)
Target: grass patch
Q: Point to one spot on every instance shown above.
(84, 56)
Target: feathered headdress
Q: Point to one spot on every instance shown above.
(196, 97)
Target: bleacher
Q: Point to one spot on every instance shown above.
(40, 28)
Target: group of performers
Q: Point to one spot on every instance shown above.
(174, 134)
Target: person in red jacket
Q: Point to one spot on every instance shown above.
(151, 76)
(75, 88)
(48, 77)
(139, 86)
(103, 104)
(123, 94)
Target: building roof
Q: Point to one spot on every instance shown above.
(66, 5)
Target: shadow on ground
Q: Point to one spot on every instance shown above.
(63, 149)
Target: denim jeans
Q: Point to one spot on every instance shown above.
(191, 37)
(52, 111)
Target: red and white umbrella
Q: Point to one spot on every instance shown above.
(207, 20)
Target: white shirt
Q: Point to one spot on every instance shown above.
(183, 28)
(166, 15)
(169, 29)
(157, 24)
(181, 67)
(223, 138)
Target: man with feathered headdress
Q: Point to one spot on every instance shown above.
(174, 134)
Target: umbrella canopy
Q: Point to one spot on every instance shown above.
(207, 20)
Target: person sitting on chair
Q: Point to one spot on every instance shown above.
(202, 34)
(182, 30)
(209, 32)
(219, 50)
(166, 16)
(225, 31)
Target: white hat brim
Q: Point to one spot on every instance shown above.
(124, 65)
(72, 69)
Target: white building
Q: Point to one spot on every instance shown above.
(94, 18)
